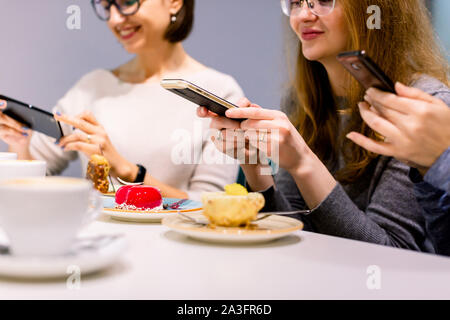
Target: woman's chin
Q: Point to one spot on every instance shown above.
(132, 48)
(311, 55)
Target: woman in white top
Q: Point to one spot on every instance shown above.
(128, 117)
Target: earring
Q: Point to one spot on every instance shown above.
(173, 18)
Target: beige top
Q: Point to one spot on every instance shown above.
(151, 126)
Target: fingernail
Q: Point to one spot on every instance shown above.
(58, 113)
(25, 134)
(2, 104)
(25, 129)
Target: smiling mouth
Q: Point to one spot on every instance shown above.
(128, 33)
(311, 35)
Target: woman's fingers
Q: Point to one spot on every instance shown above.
(386, 100)
(237, 144)
(76, 122)
(86, 148)
(252, 113)
(8, 130)
(75, 137)
(387, 108)
(376, 122)
(203, 112)
(413, 93)
(89, 117)
(224, 123)
(244, 103)
(12, 136)
(3, 105)
(370, 145)
(260, 124)
(10, 122)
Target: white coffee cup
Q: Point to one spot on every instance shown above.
(42, 216)
(8, 156)
(11, 169)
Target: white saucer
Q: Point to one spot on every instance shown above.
(143, 216)
(88, 255)
(137, 216)
(269, 229)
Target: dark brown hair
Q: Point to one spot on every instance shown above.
(180, 29)
(404, 48)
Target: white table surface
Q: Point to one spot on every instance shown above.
(161, 264)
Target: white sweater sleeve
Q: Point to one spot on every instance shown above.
(43, 147)
(216, 169)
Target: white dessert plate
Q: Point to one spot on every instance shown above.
(271, 228)
(109, 209)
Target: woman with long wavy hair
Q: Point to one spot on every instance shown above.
(351, 192)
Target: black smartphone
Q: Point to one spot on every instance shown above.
(32, 117)
(199, 96)
(366, 71)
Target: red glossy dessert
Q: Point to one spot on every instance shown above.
(139, 198)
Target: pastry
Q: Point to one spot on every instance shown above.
(232, 208)
(98, 171)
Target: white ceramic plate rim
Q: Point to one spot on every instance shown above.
(233, 234)
(140, 216)
(56, 267)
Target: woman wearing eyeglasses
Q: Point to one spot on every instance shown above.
(351, 192)
(146, 133)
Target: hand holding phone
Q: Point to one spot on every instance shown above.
(199, 96)
(13, 133)
(366, 71)
(31, 117)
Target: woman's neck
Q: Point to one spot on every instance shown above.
(337, 76)
(154, 63)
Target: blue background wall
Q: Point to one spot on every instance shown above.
(441, 11)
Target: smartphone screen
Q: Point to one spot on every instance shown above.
(366, 71)
(34, 118)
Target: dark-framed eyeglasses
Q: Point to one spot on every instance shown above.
(102, 8)
(317, 7)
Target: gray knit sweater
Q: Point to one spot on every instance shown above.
(379, 208)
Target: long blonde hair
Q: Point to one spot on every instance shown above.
(404, 48)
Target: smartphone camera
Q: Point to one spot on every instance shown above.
(356, 66)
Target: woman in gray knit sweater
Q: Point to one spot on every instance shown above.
(352, 193)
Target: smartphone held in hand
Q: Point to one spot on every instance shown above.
(198, 96)
(32, 117)
(366, 71)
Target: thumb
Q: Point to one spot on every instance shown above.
(244, 103)
(255, 106)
